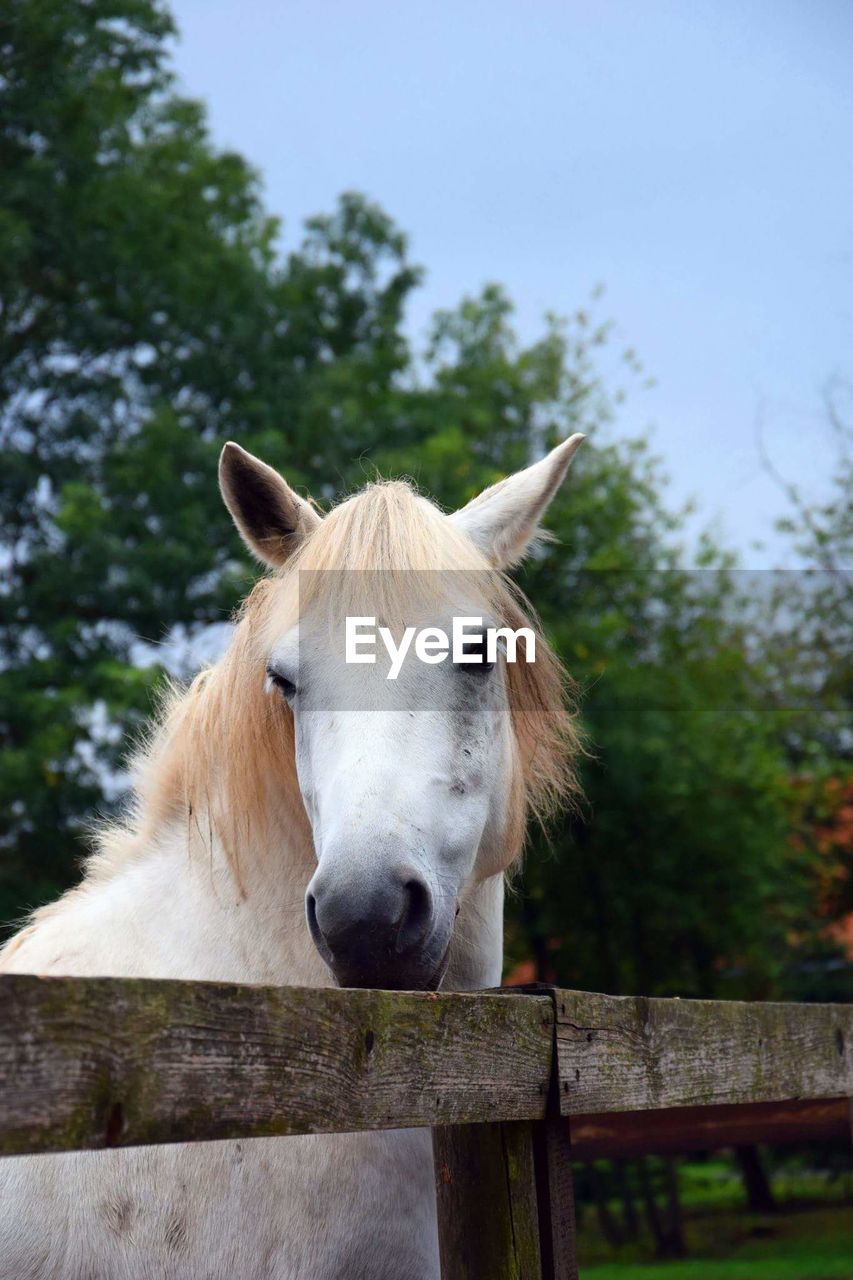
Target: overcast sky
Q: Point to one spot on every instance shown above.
(694, 158)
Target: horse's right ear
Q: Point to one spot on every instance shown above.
(272, 520)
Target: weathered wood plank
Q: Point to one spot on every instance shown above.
(682, 1129)
(94, 1062)
(488, 1226)
(552, 1161)
(555, 1196)
(625, 1053)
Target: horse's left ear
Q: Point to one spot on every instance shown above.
(504, 519)
(272, 520)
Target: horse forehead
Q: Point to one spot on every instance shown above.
(427, 714)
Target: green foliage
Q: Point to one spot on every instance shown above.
(810, 623)
(678, 879)
(146, 316)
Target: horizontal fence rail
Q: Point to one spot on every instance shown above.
(677, 1130)
(514, 1085)
(627, 1053)
(632, 1054)
(98, 1062)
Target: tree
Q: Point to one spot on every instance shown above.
(810, 618)
(145, 315)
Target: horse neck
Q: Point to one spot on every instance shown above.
(275, 886)
(476, 952)
(232, 917)
(271, 883)
(243, 919)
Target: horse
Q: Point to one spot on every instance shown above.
(287, 831)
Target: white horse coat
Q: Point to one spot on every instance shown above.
(331, 1207)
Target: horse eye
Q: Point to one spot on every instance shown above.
(475, 649)
(286, 687)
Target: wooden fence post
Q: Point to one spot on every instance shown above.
(555, 1197)
(505, 1195)
(486, 1195)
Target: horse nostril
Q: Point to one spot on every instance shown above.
(416, 916)
(311, 915)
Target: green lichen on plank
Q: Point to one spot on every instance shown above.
(93, 1062)
(624, 1053)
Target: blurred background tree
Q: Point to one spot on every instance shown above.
(145, 317)
(149, 313)
(809, 635)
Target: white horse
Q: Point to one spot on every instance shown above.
(263, 795)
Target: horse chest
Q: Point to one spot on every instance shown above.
(354, 1206)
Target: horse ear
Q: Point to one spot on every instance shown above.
(272, 520)
(504, 519)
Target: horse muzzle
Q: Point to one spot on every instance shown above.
(381, 930)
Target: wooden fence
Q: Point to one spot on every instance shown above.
(514, 1084)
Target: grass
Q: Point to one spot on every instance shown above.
(810, 1237)
(812, 1244)
(715, 1184)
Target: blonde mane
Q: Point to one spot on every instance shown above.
(222, 752)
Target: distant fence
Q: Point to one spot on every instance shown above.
(514, 1084)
